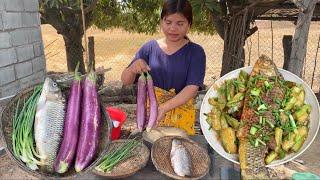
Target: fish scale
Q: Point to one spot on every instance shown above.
(180, 158)
(252, 159)
(49, 124)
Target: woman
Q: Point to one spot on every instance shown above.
(173, 61)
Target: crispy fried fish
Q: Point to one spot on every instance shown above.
(258, 104)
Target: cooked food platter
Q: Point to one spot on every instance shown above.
(305, 115)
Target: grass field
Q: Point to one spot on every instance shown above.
(116, 48)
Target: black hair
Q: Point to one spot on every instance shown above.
(177, 6)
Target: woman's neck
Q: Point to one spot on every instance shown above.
(170, 47)
(175, 44)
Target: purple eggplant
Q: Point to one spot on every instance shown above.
(71, 127)
(90, 124)
(153, 103)
(141, 102)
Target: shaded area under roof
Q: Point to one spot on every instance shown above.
(280, 10)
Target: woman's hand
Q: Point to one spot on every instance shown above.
(139, 66)
(129, 74)
(181, 98)
(161, 113)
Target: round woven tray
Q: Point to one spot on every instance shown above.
(6, 134)
(160, 154)
(130, 166)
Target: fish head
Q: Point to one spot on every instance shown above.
(266, 67)
(51, 87)
(176, 142)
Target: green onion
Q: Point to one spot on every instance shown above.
(251, 140)
(256, 143)
(122, 153)
(266, 138)
(255, 92)
(262, 107)
(22, 135)
(293, 123)
(270, 123)
(268, 85)
(253, 130)
(257, 126)
(261, 142)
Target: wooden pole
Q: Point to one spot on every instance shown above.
(286, 44)
(91, 52)
(271, 40)
(315, 63)
(85, 35)
(258, 44)
(250, 48)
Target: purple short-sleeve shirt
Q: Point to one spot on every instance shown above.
(184, 67)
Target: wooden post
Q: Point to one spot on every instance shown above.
(315, 63)
(299, 42)
(91, 52)
(84, 34)
(287, 44)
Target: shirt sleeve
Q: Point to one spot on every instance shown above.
(143, 53)
(196, 71)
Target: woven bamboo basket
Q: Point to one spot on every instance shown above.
(160, 154)
(128, 167)
(6, 135)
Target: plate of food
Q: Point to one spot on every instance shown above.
(260, 116)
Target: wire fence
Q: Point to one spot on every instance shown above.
(116, 48)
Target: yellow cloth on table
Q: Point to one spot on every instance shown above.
(182, 117)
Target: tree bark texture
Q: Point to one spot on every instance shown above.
(235, 34)
(68, 23)
(74, 52)
(299, 42)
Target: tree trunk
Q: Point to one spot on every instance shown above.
(299, 42)
(218, 25)
(232, 62)
(234, 41)
(74, 52)
(287, 44)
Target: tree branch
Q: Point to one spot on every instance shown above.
(53, 17)
(91, 7)
(251, 31)
(219, 25)
(230, 4)
(300, 5)
(224, 9)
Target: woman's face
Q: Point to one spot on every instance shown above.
(175, 27)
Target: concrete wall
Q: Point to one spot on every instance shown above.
(22, 62)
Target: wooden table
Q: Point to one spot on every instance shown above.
(218, 163)
(311, 158)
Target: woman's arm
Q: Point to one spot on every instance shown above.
(181, 98)
(129, 74)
